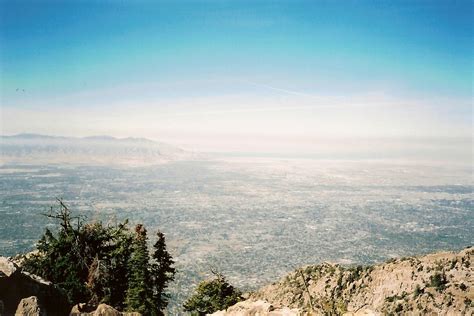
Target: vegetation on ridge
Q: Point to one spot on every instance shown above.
(96, 264)
(435, 283)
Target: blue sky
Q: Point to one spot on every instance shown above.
(294, 61)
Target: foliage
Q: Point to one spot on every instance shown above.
(212, 295)
(162, 272)
(139, 290)
(94, 263)
(354, 274)
(438, 281)
(399, 308)
(418, 291)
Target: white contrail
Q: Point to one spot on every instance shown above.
(281, 90)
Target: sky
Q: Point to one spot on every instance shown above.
(241, 76)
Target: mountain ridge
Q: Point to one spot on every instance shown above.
(92, 150)
(93, 137)
(440, 283)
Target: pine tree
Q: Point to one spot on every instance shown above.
(59, 259)
(162, 272)
(139, 292)
(92, 263)
(117, 270)
(86, 260)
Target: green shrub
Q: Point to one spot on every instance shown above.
(453, 264)
(399, 308)
(418, 291)
(211, 296)
(438, 281)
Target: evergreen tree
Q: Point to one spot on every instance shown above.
(58, 258)
(139, 293)
(117, 270)
(88, 261)
(94, 264)
(162, 272)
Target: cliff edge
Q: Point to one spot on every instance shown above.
(436, 284)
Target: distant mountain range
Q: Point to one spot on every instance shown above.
(41, 149)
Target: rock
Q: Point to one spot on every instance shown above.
(30, 307)
(257, 308)
(7, 267)
(101, 310)
(106, 310)
(82, 309)
(16, 285)
(362, 312)
(76, 309)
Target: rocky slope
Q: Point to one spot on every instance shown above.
(435, 284)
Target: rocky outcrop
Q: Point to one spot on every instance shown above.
(102, 310)
(7, 268)
(22, 293)
(30, 307)
(25, 294)
(437, 284)
(260, 307)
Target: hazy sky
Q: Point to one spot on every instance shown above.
(238, 75)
